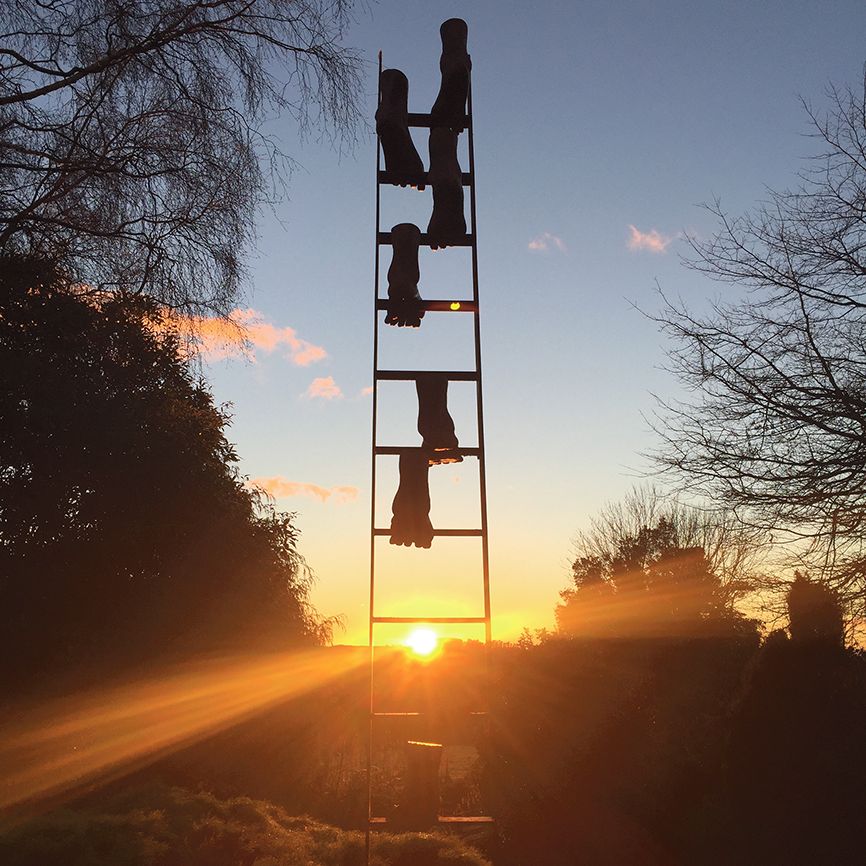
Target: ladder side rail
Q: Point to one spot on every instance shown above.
(482, 467)
(371, 624)
(482, 453)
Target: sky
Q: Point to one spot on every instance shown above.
(600, 128)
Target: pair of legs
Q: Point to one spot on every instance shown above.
(449, 110)
(448, 115)
(410, 523)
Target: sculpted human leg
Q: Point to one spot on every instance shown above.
(435, 423)
(404, 302)
(447, 222)
(392, 126)
(450, 106)
(410, 523)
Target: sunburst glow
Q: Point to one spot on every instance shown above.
(422, 641)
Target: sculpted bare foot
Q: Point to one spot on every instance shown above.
(435, 424)
(447, 223)
(392, 126)
(450, 106)
(411, 507)
(405, 307)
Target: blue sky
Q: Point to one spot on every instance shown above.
(590, 119)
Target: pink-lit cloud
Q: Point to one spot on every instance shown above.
(365, 392)
(323, 388)
(282, 488)
(652, 241)
(245, 332)
(547, 241)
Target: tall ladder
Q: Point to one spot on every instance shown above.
(454, 307)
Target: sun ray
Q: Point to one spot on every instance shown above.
(56, 745)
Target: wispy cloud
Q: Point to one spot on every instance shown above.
(365, 392)
(323, 388)
(282, 488)
(245, 331)
(546, 242)
(652, 241)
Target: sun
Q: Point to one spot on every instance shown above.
(422, 641)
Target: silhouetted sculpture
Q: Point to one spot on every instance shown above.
(392, 126)
(434, 422)
(419, 806)
(404, 302)
(450, 106)
(411, 507)
(447, 223)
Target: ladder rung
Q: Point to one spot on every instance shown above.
(447, 819)
(395, 715)
(400, 449)
(437, 306)
(444, 533)
(424, 120)
(460, 819)
(455, 620)
(414, 715)
(464, 240)
(409, 375)
(416, 179)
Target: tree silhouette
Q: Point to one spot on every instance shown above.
(814, 613)
(125, 528)
(796, 754)
(131, 145)
(775, 429)
(650, 567)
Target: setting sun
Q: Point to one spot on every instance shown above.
(422, 641)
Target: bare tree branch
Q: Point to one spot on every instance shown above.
(131, 142)
(775, 424)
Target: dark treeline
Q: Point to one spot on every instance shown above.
(127, 533)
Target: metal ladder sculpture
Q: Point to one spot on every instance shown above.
(456, 306)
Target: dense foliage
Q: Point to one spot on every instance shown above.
(126, 531)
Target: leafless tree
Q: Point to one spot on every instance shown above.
(775, 424)
(132, 150)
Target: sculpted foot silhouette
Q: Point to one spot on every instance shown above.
(404, 302)
(411, 507)
(434, 421)
(392, 126)
(450, 106)
(447, 223)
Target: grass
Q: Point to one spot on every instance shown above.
(160, 826)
